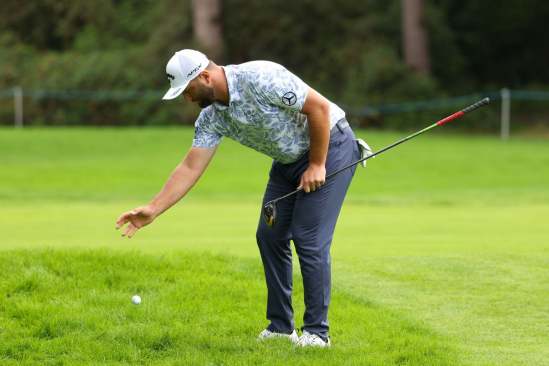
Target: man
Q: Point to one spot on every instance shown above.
(264, 106)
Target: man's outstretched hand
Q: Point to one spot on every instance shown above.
(138, 217)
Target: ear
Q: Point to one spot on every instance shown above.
(206, 76)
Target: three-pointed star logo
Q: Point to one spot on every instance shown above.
(289, 98)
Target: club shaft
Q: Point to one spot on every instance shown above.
(439, 123)
(384, 149)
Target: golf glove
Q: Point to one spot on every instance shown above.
(365, 151)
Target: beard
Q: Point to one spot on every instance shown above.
(206, 96)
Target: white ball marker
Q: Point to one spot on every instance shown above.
(136, 300)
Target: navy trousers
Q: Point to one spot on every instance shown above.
(309, 220)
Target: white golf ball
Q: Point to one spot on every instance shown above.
(136, 300)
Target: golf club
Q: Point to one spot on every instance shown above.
(269, 210)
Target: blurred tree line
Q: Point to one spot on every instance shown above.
(349, 50)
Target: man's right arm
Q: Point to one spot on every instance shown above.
(183, 178)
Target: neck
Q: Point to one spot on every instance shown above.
(221, 87)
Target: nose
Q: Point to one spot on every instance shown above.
(187, 97)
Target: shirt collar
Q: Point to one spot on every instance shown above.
(232, 83)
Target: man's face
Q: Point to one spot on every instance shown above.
(199, 93)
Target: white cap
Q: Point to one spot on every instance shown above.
(184, 66)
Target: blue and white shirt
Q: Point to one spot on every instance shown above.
(263, 112)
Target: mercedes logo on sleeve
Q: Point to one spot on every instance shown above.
(289, 98)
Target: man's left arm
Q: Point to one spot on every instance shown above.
(317, 110)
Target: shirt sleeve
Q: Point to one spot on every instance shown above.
(284, 89)
(204, 136)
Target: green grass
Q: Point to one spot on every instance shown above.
(70, 307)
(440, 255)
(129, 164)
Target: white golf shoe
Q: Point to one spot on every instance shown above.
(312, 340)
(267, 334)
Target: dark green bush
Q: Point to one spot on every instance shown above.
(349, 50)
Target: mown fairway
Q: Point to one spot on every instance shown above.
(441, 254)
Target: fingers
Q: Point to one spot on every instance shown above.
(121, 223)
(307, 187)
(310, 186)
(131, 229)
(124, 219)
(133, 232)
(303, 186)
(128, 229)
(134, 217)
(313, 178)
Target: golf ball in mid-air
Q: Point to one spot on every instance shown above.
(136, 300)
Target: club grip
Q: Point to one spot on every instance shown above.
(482, 103)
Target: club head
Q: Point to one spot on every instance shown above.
(269, 214)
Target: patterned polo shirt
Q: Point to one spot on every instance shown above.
(263, 112)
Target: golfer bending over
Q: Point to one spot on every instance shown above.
(267, 108)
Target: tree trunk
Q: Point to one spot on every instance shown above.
(207, 27)
(415, 37)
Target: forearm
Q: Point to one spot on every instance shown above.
(177, 186)
(183, 178)
(319, 134)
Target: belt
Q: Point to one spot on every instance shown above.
(339, 126)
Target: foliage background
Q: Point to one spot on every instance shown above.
(349, 50)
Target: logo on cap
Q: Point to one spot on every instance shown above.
(289, 98)
(197, 68)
